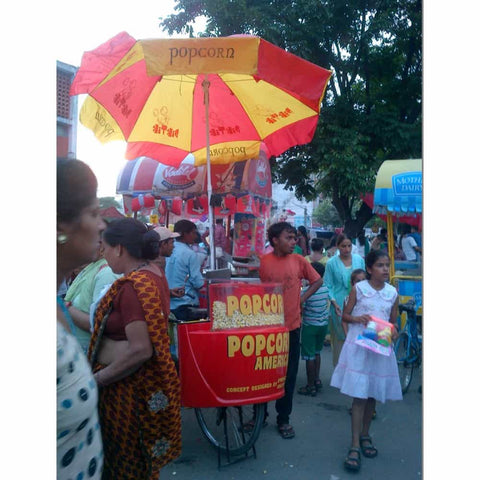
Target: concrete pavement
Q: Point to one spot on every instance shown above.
(322, 426)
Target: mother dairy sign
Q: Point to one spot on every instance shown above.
(407, 183)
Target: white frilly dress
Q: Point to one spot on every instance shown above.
(360, 372)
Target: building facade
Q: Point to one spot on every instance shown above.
(67, 109)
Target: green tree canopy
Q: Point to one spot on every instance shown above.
(372, 109)
(106, 202)
(326, 215)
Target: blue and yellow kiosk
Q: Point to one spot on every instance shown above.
(398, 193)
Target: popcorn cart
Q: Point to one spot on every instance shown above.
(234, 361)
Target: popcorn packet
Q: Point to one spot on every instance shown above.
(377, 336)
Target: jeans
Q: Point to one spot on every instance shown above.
(283, 405)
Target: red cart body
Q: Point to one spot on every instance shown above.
(235, 366)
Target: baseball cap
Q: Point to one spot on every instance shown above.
(165, 233)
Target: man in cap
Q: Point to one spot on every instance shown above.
(183, 270)
(166, 248)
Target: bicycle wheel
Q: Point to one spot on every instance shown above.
(404, 360)
(223, 426)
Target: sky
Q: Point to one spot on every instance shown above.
(88, 32)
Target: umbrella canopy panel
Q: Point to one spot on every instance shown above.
(398, 187)
(151, 93)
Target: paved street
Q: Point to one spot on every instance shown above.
(322, 425)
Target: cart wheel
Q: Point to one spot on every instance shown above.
(405, 362)
(223, 426)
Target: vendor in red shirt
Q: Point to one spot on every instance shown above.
(288, 268)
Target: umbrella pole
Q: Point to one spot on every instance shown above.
(229, 226)
(206, 99)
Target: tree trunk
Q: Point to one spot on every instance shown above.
(353, 227)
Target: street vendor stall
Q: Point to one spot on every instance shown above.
(243, 367)
(242, 191)
(217, 99)
(398, 192)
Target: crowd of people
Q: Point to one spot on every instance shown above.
(355, 287)
(341, 296)
(118, 407)
(118, 390)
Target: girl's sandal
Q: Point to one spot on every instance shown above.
(368, 450)
(318, 385)
(353, 462)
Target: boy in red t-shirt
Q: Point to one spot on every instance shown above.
(288, 268)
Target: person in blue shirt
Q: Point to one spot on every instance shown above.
(183, 269)
(418, 239)
(337, 278)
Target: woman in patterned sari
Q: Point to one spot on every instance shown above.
(139, 402)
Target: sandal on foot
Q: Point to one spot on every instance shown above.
(286, 430)
(368, 450)
(250, 425)
(318, 385)
(353, 462)
(307, 390)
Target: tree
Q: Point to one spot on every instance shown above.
(106, 202)
(372, 109)
(326, 215)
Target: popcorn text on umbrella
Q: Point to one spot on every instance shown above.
(203, 52)
(103, 123)
(215, 152)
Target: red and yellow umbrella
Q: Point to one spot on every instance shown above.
(151, 93)
(217, 99)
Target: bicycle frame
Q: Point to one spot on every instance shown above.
(408, 347)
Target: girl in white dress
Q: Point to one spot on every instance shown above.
(365, 375)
